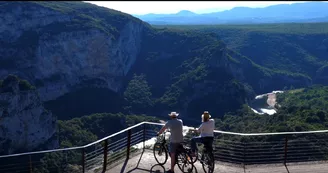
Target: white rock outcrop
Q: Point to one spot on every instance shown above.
(24, 122)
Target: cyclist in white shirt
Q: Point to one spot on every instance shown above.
(176, 127)
(206, 130)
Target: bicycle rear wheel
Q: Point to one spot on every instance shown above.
(184, 162)
(189, 169)
(208, 162)
(160, 153)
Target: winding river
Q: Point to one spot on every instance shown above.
(264, 104)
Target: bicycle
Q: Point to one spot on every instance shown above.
(206, 158)
(183, 157)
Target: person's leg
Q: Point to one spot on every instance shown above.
(173, 148)
(208, 143)
(194, 142)
(211, 143)
(172, 161)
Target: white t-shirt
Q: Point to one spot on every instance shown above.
(206, 128)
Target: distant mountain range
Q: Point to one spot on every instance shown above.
(283, 13)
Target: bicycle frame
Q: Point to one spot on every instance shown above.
(181, 151)
(163, 142)
(204, 152)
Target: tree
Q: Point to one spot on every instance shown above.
(138, 94)
(285, 88)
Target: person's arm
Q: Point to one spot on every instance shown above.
(199, 130)
(162, 129)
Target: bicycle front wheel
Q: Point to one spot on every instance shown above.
(160, 153)
(192, 159)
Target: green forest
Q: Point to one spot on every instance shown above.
(289, 47)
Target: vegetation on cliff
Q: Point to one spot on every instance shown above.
(81, 131)
(182, 68)
(138, 95)
(282, 28)
(88, 15)
(11, 81)
(188, 69)
(89, 128)
(290, 48)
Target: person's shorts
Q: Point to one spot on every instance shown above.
(173, 147)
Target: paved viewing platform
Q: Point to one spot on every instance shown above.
(147, 164)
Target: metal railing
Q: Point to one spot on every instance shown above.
(264, 148)
(103, 154)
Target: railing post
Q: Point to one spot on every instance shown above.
(128, 145)
(30, 163)
(144, 136)
(244, 146)
(286, 142)
(105, 155)
(83, 160)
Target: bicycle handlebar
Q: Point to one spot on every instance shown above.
(165, 131)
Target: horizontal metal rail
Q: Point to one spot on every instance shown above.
(254, 134)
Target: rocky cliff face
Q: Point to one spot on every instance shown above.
(19, 17)
(61, 46)
(40, 47)
(24, 123)
(261, 79)
(59, 50)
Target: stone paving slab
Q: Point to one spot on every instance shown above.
(310, 167)
(266, 168)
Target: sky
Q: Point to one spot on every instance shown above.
(169, 7)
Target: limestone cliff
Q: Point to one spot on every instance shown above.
(24, 123)
(57, 50)
(62, 46)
